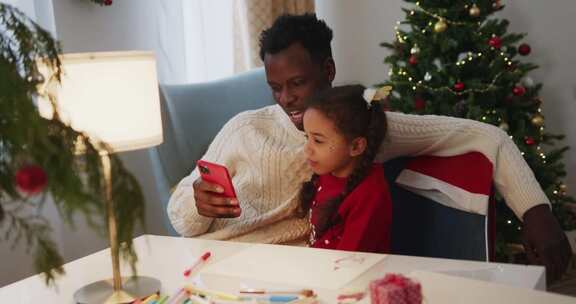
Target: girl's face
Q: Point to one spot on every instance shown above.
(326, 149)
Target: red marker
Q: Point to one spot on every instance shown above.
(196, 264)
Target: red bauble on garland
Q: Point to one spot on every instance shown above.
(459, 87)
(419, 104)
(524, 49)
(31, 179)
(519, 90)
(413, 60)
(529, 140)
(495, 42)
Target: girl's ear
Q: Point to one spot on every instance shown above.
(358, 146)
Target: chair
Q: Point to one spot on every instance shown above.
(424, 227)
(194, 113)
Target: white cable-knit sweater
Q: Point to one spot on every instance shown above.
(262, 149)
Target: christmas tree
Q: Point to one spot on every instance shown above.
(454, 59)
(39, 158)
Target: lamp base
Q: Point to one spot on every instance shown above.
(103, 291)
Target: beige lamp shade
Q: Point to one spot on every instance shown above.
(111, 96)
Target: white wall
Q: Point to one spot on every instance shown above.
(360, 26)
(82, 26)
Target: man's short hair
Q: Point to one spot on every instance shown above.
(313, 34)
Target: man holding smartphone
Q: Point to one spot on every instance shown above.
(262, 150)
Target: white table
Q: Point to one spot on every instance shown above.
(165, 258)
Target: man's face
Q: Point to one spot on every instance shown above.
(293, 76)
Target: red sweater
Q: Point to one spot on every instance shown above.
(366, 214)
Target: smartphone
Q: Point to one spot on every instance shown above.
(217, 174)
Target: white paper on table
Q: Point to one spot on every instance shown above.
(328, 269)
(441, 288)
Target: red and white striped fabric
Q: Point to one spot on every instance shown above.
(463, 182)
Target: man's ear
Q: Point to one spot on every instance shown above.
(358, 146)
(329, 69)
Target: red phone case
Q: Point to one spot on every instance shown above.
(217, 174)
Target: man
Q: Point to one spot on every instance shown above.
(263, 151)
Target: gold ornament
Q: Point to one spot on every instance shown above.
(440, 26)
(474, 11)
(563, 187)
(537, 120)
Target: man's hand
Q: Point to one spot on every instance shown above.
(210, 204)
(545, 242)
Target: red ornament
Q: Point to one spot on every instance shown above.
(529, 140)
(413, 60)
(524, 49)
(419, 104)
(459, 87)
(107, 2)
(519, 90)
(495, 42)
(31, 179)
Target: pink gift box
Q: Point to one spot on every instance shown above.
(395, 289)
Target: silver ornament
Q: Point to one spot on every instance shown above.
(527, 81)
(438, 64)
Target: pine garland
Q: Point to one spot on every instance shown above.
(452, 59)
(38, 159)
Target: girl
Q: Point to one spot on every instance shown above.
(347, 198)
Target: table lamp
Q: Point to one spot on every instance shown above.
(113, 97)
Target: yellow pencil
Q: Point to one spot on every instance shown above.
(212, 293)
